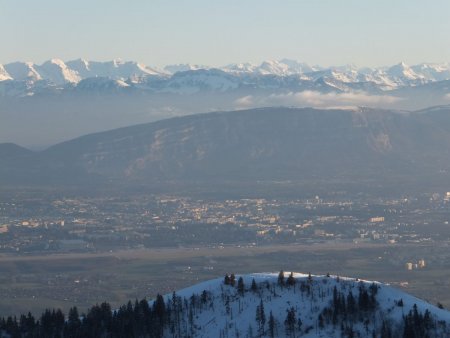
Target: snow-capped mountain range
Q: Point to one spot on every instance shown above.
(27, 78)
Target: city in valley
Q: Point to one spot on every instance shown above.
(62, 250)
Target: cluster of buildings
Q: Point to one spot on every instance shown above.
(79, 224)
(420, 264)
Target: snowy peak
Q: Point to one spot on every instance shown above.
(240, 68)
(21, 71)
(299, 67)
(283, 67)
(274, 68)
(172, 69)
(80, 66)
(402, 73)
(190, 82)
(433, 72)
(133, 69)
(115, 69)
(335, 74)
(57, 72)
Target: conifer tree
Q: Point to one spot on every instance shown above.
(262, 317)
(271, 325)
(290, 322)
(254, 288)
(226, 280)
(73, 323)
(232, 279)
(291, 280)
(240, 286)
(281, 278)
(351, 303)
(320, 321)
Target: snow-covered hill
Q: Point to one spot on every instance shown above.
(299, 305)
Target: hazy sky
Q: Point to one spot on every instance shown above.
(160, 32)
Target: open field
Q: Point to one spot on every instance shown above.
(36, 282)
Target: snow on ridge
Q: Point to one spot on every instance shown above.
(116, 69)
(81, 66)
(194, 81)
(21, 71)
(129, 69)
(183, 67)
(433, 71)
(4, 74)
(273, 67)
(300, 67)
(402, 72)
(259, 277)
(57, 72)
(245, 67)
(284, 67)
(101, 83)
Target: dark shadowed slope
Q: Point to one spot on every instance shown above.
(10, 150)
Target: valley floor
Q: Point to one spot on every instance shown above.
(36, 282)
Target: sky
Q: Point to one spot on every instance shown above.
(215, 33)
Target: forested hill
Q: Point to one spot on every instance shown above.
(256, 305)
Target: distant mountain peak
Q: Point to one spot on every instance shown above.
(183, 67)
(56, 61)
(57, 72)
(23, 71)
(117, 62)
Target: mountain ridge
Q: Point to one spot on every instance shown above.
(258, 144)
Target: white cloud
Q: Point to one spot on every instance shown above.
(317, 99)
(244, 102)
(320, 100)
